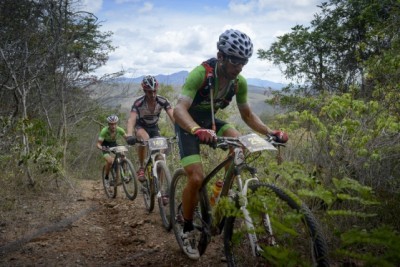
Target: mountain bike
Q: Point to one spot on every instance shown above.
(260, 222)
(158, 177)
(122, 171)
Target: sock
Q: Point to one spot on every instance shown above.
(188, 225)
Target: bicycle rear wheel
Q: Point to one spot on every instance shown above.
(200, 219)
(163, 188)
(129, 179)
(148, 191)
(110, 186)
(295, 238)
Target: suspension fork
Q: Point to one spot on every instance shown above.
(255, 247)
(156, 159)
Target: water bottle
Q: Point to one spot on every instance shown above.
(216, 190)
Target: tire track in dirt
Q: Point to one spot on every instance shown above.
(105, 232)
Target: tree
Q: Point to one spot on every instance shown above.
(47, 52)
(330, 55)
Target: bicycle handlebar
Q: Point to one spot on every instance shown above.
(145, 142)
(226, 142)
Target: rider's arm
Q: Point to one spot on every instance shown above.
(248, 116)
(102, 136)
(252, 120)
(185, 100)
(170, 113)
(182, 116)
(131, 123)
(99, 144)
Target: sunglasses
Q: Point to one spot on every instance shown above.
(237, 61)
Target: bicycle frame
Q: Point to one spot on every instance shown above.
(155, 147)
(118, 151)
(237, 164)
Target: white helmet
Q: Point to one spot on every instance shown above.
(235, 43)
(112, 119)
(149, 83)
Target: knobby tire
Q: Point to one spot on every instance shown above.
(148, 191)
(163, 188)
(111, 191)
(201, 218)
(129, 179)
(295, 230)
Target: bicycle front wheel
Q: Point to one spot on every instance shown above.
(163, 186)
(129, 179)
(110, 186)
(201, 217)
(285, 232)
(148, 191)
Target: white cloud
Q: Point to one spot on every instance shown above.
(166, 39)
(92, 6)
(147, 6)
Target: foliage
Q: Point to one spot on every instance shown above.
(330, 54)
(47, 53)
(383, 246)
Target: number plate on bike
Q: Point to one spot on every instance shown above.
(158, 143)
(119, 149)
(255, 143)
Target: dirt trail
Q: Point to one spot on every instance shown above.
(96, 231)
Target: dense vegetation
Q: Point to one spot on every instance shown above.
(344, 118)
(342, 112)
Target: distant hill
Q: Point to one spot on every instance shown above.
(178, 78)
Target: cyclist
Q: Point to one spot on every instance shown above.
(194, 119)
(145, 113)
(108, 138)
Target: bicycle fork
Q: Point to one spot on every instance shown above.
(155, 175)
(251, 231)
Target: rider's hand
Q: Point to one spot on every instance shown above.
(280, 136)
(206, 136)
(105, 148)
(130, 140)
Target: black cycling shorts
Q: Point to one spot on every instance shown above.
(152, 131)
(189, 146)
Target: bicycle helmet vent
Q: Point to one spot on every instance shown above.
(149, 83)
(112, 119)
(235, 43)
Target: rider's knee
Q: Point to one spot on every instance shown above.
(195, 174)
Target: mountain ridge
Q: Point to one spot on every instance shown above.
(178, 78)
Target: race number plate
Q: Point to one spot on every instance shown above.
(119, 149)
(158, 143)
(255, 143)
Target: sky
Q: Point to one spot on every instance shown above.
(166, 36)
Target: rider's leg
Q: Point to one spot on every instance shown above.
(109, 161)
(141, 134)
(191, 193)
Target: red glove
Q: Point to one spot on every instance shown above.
(280, 136)
(205, 136)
